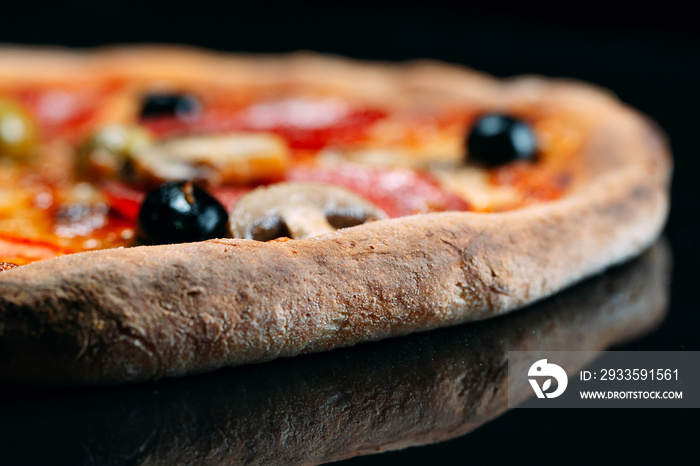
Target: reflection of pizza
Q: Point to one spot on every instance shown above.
(455, 196)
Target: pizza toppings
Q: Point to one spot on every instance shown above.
(184, 106)
(79, 219)
(381, 160)
(305, 123)
(180, 213)
(397, 191)
(125, 201)
(498, 139)
(17, 130)
(217, 159)
(7, 266)
(110, 151)
(21, 251)
(299, 210)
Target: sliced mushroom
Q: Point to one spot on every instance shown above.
(229, 158)
(299, 210)
(110, 150)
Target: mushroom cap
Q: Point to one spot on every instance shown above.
(299, 210)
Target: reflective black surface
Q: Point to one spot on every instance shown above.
(648, 56)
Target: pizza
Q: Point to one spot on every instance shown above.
(166, 211)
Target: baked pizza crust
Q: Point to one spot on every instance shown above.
(150, 312)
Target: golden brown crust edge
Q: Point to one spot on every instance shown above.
(144, 313)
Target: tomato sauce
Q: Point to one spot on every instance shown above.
(22, 251)
(534, 182)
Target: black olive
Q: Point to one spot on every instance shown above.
(180, 212)
(499, 139)
(169, 105)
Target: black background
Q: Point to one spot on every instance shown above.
(647, 55)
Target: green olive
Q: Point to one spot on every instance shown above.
(18, 133)
(110, 150)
